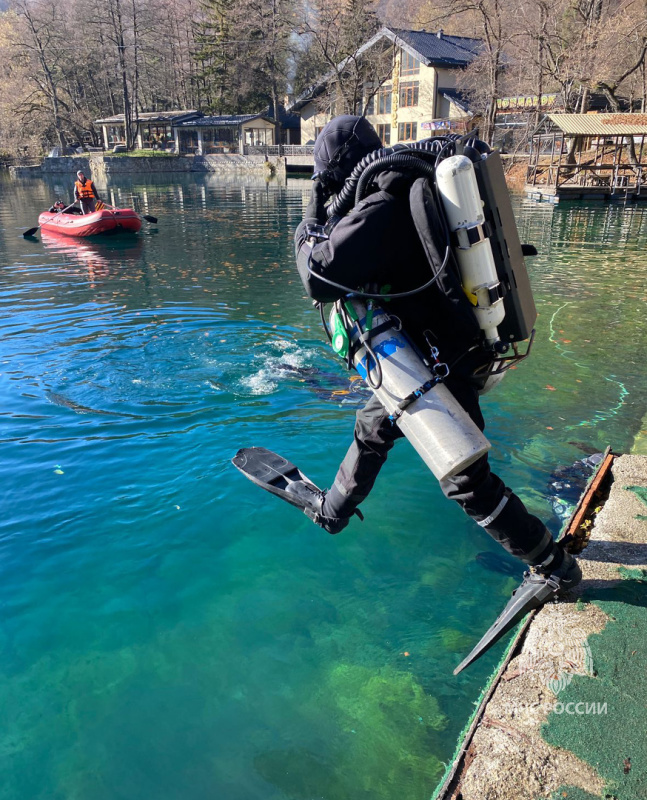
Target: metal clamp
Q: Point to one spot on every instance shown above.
(467, 237)
(316, 232)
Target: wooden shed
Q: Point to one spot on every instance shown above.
(588, 156)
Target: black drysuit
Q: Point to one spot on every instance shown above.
(377, 243)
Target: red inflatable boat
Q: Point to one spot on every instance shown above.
(113, 220)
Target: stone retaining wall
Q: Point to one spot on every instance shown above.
(29, 171)
(101, 166)
(70, 165)
(238, 163)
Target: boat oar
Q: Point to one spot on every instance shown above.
(147, 217)
(32, 231)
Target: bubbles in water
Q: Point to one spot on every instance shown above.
(291, 361)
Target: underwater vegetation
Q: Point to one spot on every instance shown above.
(382, 719)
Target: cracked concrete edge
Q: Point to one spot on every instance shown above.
(508, 758)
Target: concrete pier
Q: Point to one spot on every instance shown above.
(564, 715)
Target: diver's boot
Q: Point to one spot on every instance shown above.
(566, 572)
(312, 501)
(559, 572)
(280, 477)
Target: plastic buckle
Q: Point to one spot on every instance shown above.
(316, 232)
(495, 292)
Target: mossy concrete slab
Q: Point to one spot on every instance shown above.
(567, 718)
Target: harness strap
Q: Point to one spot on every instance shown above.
(412, 397)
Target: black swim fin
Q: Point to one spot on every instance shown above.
(535, 590)
(271, 472)
(279, 476)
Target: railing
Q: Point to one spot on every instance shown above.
(591, 176)
(279, 150)
(618, 176)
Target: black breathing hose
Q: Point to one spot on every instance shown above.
(398, 160)
(345, 200)
(420, 157)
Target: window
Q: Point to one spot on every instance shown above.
(409, 65)
(155, 136)
(219, 140)
(384, 132)
(116, 135)
(407, 131)
(409, 94)
(188, 141)
(258, 137)
(369, 104)
(384, 100)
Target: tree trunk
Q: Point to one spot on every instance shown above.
(47, 74)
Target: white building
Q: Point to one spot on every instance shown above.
(419, 98)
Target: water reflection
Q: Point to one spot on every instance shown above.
(96, 255)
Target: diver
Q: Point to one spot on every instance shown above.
(378, 246)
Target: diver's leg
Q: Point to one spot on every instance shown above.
(485, 498)
(494, 507)
(374, 438)
(332, 510)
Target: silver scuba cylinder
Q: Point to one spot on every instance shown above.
(457, 186)
(425, 410)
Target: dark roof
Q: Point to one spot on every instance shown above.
(224, 121)
(152, 116)
(438, 49)
(600, 102)
(457, 98)
(286, 118)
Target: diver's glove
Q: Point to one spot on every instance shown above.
(317, 206)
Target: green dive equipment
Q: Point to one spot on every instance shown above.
(339, 338)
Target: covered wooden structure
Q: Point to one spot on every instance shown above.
(588, 156)
(155, 130)
(224, 134)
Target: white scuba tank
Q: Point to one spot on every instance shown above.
(457, 186)
(435, 423)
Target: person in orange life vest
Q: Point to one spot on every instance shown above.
(86, 192)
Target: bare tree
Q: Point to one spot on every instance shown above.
(40, 27)
(336, 35)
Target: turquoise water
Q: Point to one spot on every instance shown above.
(170, 631)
